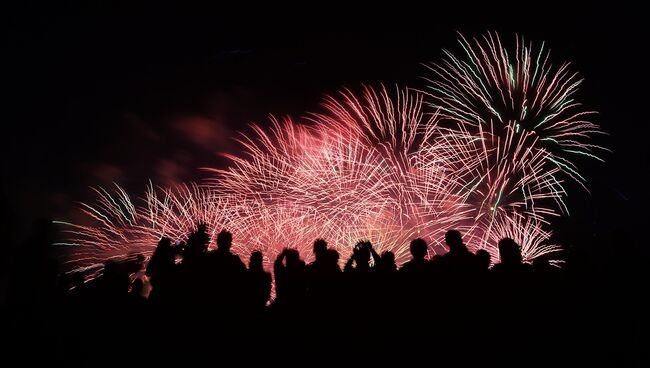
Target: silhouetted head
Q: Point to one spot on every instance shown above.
(256, 261)
(388, 260)
(293, 257)
(197, 243)
(509, 252)
(418, 248)
(164, 244)
(332, 256)
(388, 257)
(453, 239)
(320, 249)
(224, 241)
(483, 258)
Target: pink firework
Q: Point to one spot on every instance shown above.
(355, 172)
(485, 151)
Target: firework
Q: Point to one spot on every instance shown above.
(528, 233)
(489, 88)
(485, 150)
(510, 127)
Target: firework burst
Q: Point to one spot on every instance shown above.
(485, 150)
(510, 127)
(520, 91)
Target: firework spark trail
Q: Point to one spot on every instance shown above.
(489, 158)
(528, 233)
(361, 165)
(511, 128)
(123, 229)
(485, 87)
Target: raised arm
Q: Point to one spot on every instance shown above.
(348, 264)
(375, 257)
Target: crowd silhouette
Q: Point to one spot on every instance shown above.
(453, 303)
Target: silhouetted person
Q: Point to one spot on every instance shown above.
(511, 276)
(510, 258)
(319, 250)
(362, 253)
(362, 281)
(194, 273)
(333, 261)
(197, 246)
(458, 266)
(259, 282)
(414, 279)
(319, 272)
(161, 271)
(223, 256)
(457, 269)
(323, 280)
(387, 265)
(388, 283)
(459, 260)
(418, 265)
(483, 260)
(290, 278)
(482, 287)
(225, 274)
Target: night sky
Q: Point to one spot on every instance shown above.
(100, 94)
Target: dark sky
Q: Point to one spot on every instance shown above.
(100, 93)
